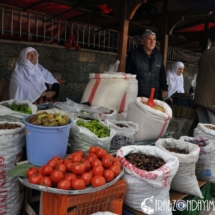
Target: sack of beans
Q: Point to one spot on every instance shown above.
(152, 122)
(124, 136)
(206, 131)
(185, 180)
(205, 166)
(148, 174)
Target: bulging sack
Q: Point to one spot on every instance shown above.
(185, 180)
(205, 166)
(144, 188)
(106, 89)
(152, 123)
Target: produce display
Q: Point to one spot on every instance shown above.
(48, 119)
(77, 171)
(198, 143)
(156, 107)
(96, 127)
(9, 126)
(145, 162)
(210, 127)
(177, 150)
(24, 108)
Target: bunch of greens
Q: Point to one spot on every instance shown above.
(24, 108)
(96, 127)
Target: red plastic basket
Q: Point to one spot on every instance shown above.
(109, 199)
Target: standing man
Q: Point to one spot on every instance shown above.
(146, 63)
(205, 90)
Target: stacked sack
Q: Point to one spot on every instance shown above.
(152, 122)
(185, 180)
(12, 142)
(112, 90)
(145, 188)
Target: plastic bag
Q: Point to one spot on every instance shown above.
(114, 67)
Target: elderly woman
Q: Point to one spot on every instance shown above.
(31, 81)
(175, 79)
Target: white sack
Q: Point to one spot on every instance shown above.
(12, 142)
(152, 123)
(202, 131)
(185, 180)
(142, 184)
(124, 135)
(7, 111)
(105, 90)
(82, 138)
(205, 166)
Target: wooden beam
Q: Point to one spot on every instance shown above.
(59, 14)
(33, 5)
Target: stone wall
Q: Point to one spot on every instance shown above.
(70, 65)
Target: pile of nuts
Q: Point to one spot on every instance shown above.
(199, 143)
(177, 150)
(210, 127)
(9, 126)
(145, 162)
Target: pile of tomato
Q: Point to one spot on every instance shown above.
(77, 171)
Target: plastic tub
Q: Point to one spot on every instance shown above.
(43, 143)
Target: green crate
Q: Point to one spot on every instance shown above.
(206, 192)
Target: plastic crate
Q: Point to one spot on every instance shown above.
(109, 199)
(206, 192)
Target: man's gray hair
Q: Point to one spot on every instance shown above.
(148, 32)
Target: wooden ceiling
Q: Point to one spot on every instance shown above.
(189, 23)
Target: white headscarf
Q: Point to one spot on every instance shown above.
(28, 80)
(174, 81)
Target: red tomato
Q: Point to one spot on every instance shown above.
(78, 168)
(35, 178)
(91, 172)
(52, 163)
(92, 149)
(87, 178)
(76, 157)
(80, 152)
(98, 181)
(67, 159)
(46, 170)
(98, 170)
(100, 152)
(116, 169)
(78, 184)
(40, 170)
(46, 181)
(64, 184)
(31, 171)
(68, 166)
(108, 175)
(117, 163)
(56, 176)
(90, 157)
(61, 167)
(58, 159)
(87, 164)
(107, 161)
(96, 163)
(70, 176)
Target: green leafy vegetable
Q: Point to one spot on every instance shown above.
(20, 170)
(24, 108)
(96, 127)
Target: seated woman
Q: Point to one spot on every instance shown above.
(30, 81)
(175, 79)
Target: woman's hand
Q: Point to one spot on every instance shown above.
(165, 94)
(43, 94)
(50, 94)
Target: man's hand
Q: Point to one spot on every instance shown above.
(165, 94)
(43, 94)
(50, 94)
